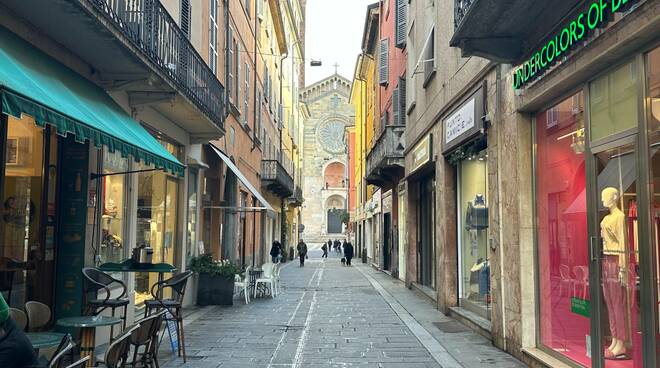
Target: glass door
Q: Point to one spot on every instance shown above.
(612, 200)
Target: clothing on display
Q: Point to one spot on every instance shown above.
(476, 217)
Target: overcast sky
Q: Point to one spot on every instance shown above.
(333, 35)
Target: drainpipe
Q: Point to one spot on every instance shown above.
(227, 42)
(254, 84)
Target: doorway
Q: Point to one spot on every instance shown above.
(425, 232)
(387, 241)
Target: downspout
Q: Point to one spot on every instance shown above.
(254, 84)
(227, 41)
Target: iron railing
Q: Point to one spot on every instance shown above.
(388, 148)
(149, 27)
(273, 173)
(461, 8)
(297, 196)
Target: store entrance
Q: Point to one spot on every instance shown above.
(425, 233)
(387, 241)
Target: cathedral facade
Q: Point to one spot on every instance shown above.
(325, 158)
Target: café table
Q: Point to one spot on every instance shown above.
(41, 340)
(254, 274)
(129, 265)
(87, 326)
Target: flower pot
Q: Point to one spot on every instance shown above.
(214, 290)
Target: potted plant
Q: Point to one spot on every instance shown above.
(216, 280)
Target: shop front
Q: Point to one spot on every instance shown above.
(465, 146)
(68, 150)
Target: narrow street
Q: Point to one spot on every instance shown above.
(333, 316)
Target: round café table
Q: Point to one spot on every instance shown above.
(87, 326)
(41, 340)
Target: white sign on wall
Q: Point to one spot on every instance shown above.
(460, 122)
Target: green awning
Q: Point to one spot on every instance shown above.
(35, 84)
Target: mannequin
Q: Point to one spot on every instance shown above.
(614, 273)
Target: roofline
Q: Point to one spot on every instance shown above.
(368, 23)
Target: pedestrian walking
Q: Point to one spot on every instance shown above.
(15, 348)
(330, 247)
(324, 248)
(302, 252)
(343, 245)
(348, 253)
(276, 251)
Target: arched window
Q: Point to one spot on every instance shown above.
(335, 175)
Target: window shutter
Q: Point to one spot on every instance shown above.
(396, 106)
(402, 101)
(429, 58)
(401, 23)
(230, 65)
(247, 91)
(185, 18)
(384, 61)
(238, 76)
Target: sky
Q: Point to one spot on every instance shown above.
(333, 35)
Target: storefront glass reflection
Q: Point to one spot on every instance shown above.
(113, 216)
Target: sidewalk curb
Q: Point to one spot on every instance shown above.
(435, 348)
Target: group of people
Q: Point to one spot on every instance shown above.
(337, 246)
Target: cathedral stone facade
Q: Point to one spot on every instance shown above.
(325, 158)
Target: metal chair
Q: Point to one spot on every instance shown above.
(66, 346)
(79, 363)
(38, 315)
(117, 354)
(242, 284)
(146, 336)
(19, 317)
(96, 280)
(174, 305)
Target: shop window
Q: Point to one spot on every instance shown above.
(113, 217)
(191, 246)
(22, 257)
(613, 102)
(474, 288)
(561, 221)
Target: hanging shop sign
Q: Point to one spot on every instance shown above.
(598, 13)
(421, 154)
(465, 122)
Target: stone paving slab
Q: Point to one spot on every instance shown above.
(328, 315)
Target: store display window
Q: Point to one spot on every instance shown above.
(561, 223)
(113, 217)
(474, 287)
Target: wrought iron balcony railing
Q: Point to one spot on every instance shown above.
(276, 179)
(148, 25)
(461, 8)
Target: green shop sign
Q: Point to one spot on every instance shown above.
(581, 307)
(560, 43)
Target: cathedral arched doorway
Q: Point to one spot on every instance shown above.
(335, 207)
(334, 175)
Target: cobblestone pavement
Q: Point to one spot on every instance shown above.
(331, 316)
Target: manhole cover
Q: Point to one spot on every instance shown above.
(451, 327)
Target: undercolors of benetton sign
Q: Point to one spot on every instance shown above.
(577, 29)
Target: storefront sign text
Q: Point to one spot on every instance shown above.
(421, 154)
(460, 122)
(598, 12)
(581, 307)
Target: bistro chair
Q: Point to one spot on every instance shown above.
(79, 363)
(38, 315)
(174, 305)
(146, 337)
(19, 317)
(66, 346)
(96, 280)
(276, 276)
(117, 354)
(266, 280)
(242, 284)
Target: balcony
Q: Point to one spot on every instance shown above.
(385, 160)
(296, 200)
(276, 179)
(504, 31)
(135, 46)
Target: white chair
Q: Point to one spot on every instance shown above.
(581, 279)
(276, 277)
(565, 274)
(243, 284)
(38, 315)
(267, 279)
(19, 317)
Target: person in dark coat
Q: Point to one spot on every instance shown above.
(15, 347)
(275, 251)
(330, 246)
(348, 253)
(324, 248)
(302, 252)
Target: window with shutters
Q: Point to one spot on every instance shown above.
(428, 58)
(213, 35)
(402, 101)
(247, 93)
(185, 18)
(230, 65)
(384, 72)
(237, 61)
(396, 106)
(401, 19)
(259, 5)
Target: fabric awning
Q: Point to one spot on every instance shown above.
(243, 179)
(33, 83)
